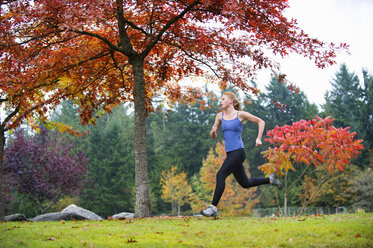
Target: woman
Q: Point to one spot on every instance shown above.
(231, 119)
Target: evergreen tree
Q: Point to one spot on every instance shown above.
(345, 99)
(351, 105)
(109, 148)
(285, 106)
(366, 117)
(179, 137)
(111, 165)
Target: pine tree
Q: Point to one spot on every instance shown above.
(111, 173)
(351, 105)
(345, 99)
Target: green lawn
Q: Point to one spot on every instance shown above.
(344, 230)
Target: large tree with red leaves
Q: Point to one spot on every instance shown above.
(103, 52)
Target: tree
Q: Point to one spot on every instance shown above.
(177, 137)
(344, 99)
(350, 103)
(44, 168)
(366, 117)
(309, 142)
(111, 164)
(175, 188)
(235, 200)
(108, 146)
(334, 189)
(363, 185)
(28, 88)
(181, 137)
(104, 53)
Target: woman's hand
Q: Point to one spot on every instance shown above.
(258, 142)
(214, 132)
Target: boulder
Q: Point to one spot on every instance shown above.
(46, 217)
(89, 215)
(15, 217)
(57, 217)
(123, 215)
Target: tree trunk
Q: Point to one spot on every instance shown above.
(2, 200)
(173, 207)
(142, 202)
(286, 195)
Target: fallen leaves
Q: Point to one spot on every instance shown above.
(131, 240)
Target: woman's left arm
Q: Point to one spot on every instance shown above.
(243, 115)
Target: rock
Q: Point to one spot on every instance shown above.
(71, 216)
(124, 215)
(89, 215)
(46, 217)
(57, 217)
(15, 217)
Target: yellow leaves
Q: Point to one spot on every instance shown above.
(175, 186)
(64, 82)
(277, 161)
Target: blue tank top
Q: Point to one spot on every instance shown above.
(232, 130)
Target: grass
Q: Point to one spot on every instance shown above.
(344, 230)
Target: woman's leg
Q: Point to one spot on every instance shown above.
(234, 159)
(245, 182)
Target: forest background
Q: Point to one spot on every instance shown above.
(179, 138)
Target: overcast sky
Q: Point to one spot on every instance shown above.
(348, 21)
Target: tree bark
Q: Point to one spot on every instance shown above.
(2, 146)
(286, 195)
(142, 202)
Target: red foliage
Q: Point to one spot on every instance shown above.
(88, 51)
(308, 142)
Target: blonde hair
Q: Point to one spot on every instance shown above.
(236, 103)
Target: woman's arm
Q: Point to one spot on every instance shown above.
(216, 126)
(252, 118)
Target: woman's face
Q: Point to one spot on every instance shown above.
(225, 101)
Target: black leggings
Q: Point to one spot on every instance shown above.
(233, 164)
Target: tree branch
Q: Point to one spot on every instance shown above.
(106, 41)
(10, 116)
(296, 181)
(328, 177)
(152, 43)
(124, 40)
(194, 58)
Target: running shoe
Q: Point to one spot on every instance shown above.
(210, 211)
(274, 181)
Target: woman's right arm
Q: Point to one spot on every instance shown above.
(216, 126)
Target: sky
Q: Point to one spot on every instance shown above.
(346, 21)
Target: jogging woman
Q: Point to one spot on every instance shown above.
(232, 119)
